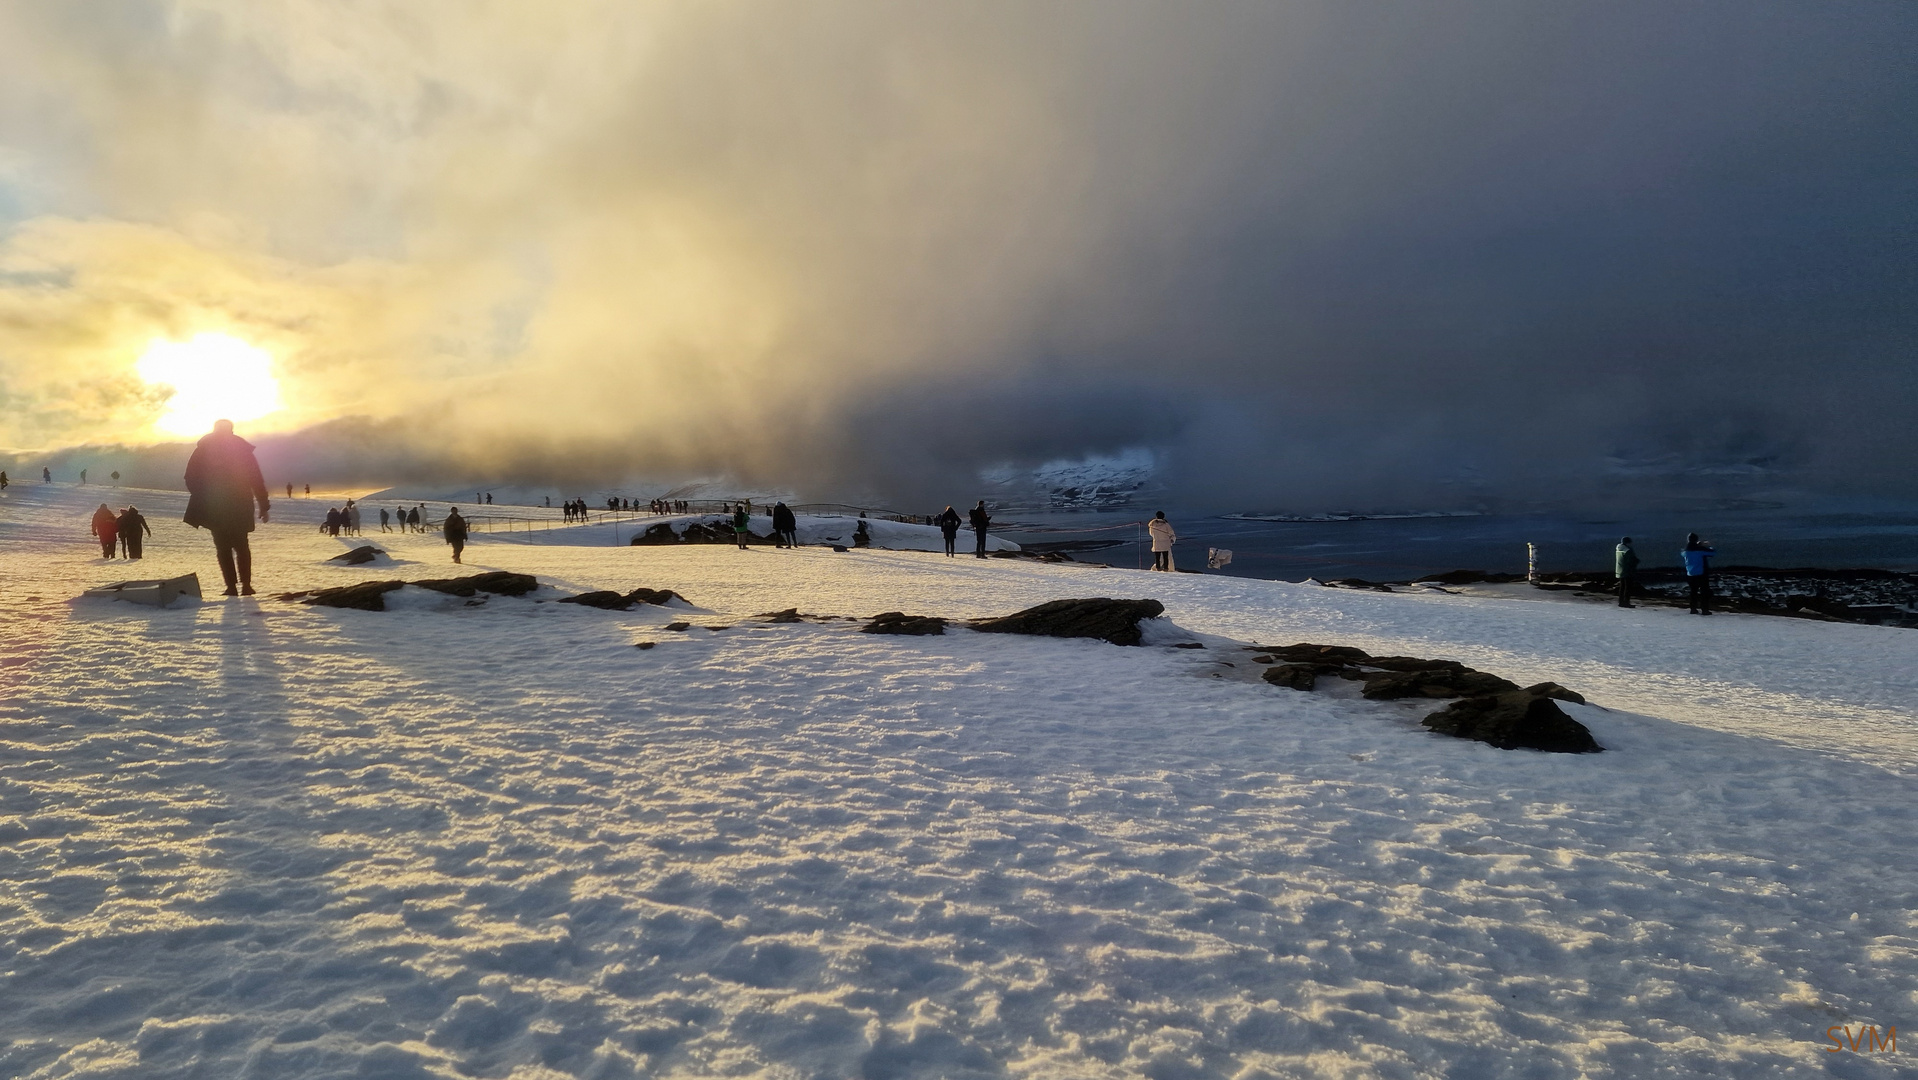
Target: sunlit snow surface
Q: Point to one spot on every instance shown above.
(252, 838)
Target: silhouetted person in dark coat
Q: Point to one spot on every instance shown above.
(132, 523)
(107, 528)
(223, 482)
(455, 531)
(786, 525)
(948, 523)
(980, 520)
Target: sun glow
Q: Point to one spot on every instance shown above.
(211, 377)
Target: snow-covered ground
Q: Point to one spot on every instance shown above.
(253, 838)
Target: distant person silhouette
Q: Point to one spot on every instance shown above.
(948, 523)
(1698, 571)
(83, 476)
(353, 516)
(980, 522)
(132, 524)
(413, 519)
(46, 476)
(384, 518)
(223, 482)
(307, 490)
(289, 491)
(455, 529)
(1162, 540)
(106, 528)
(115, 477)
(1625, 567)
(489, 498)
(742, 525)
(3, 479)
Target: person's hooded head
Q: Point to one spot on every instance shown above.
(1626, 542)
(1691, 538)
(1160, 516)
(222, 427)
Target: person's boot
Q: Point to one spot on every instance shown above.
(231, 590)
(246, 589)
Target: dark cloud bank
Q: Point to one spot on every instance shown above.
(1314, 256)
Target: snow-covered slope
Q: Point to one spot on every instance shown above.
(252, 838)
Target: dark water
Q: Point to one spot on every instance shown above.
(1396, 550)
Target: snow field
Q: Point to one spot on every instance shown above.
(252, 838)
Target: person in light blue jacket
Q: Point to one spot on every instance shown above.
(1698, 570)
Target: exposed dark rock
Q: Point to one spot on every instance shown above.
(1413, 663)
(366, 596)
(1294, 676)
(790, 615)
(656, 597)
(644, 644)
(1470, 577)
(365, 553)
(898, 622)
(841, 548)
(1512, 721)
(605, 600)
(1189, 645)
(1305, 652)
(678, 627)
(1433, 683)
(661, 533)
(719, 531)
(502, 582)
(1116, 621)
(1553, 690)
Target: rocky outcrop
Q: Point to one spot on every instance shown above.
(661, 533)
(366, 596)
(1116, 621)
(1516, 720)
(898, 622)
(1293, 676)
(1308, 653)
(608, 600)
(365, 553)
(1441, 682)
(604, 599)
(1553, 690)
(789, 615)
(501, 582)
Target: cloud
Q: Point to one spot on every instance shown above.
(1311, 254)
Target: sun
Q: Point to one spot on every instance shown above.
(212, 377)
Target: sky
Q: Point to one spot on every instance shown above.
(1307, 255)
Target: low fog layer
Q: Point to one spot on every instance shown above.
(1309, 255)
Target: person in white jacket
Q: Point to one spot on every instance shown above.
(1162, 540)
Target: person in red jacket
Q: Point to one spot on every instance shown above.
(107, 528)
(223, 482)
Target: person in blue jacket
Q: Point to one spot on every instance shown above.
(1698, 569)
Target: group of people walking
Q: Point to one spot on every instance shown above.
(124, 533)
(342, 520)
